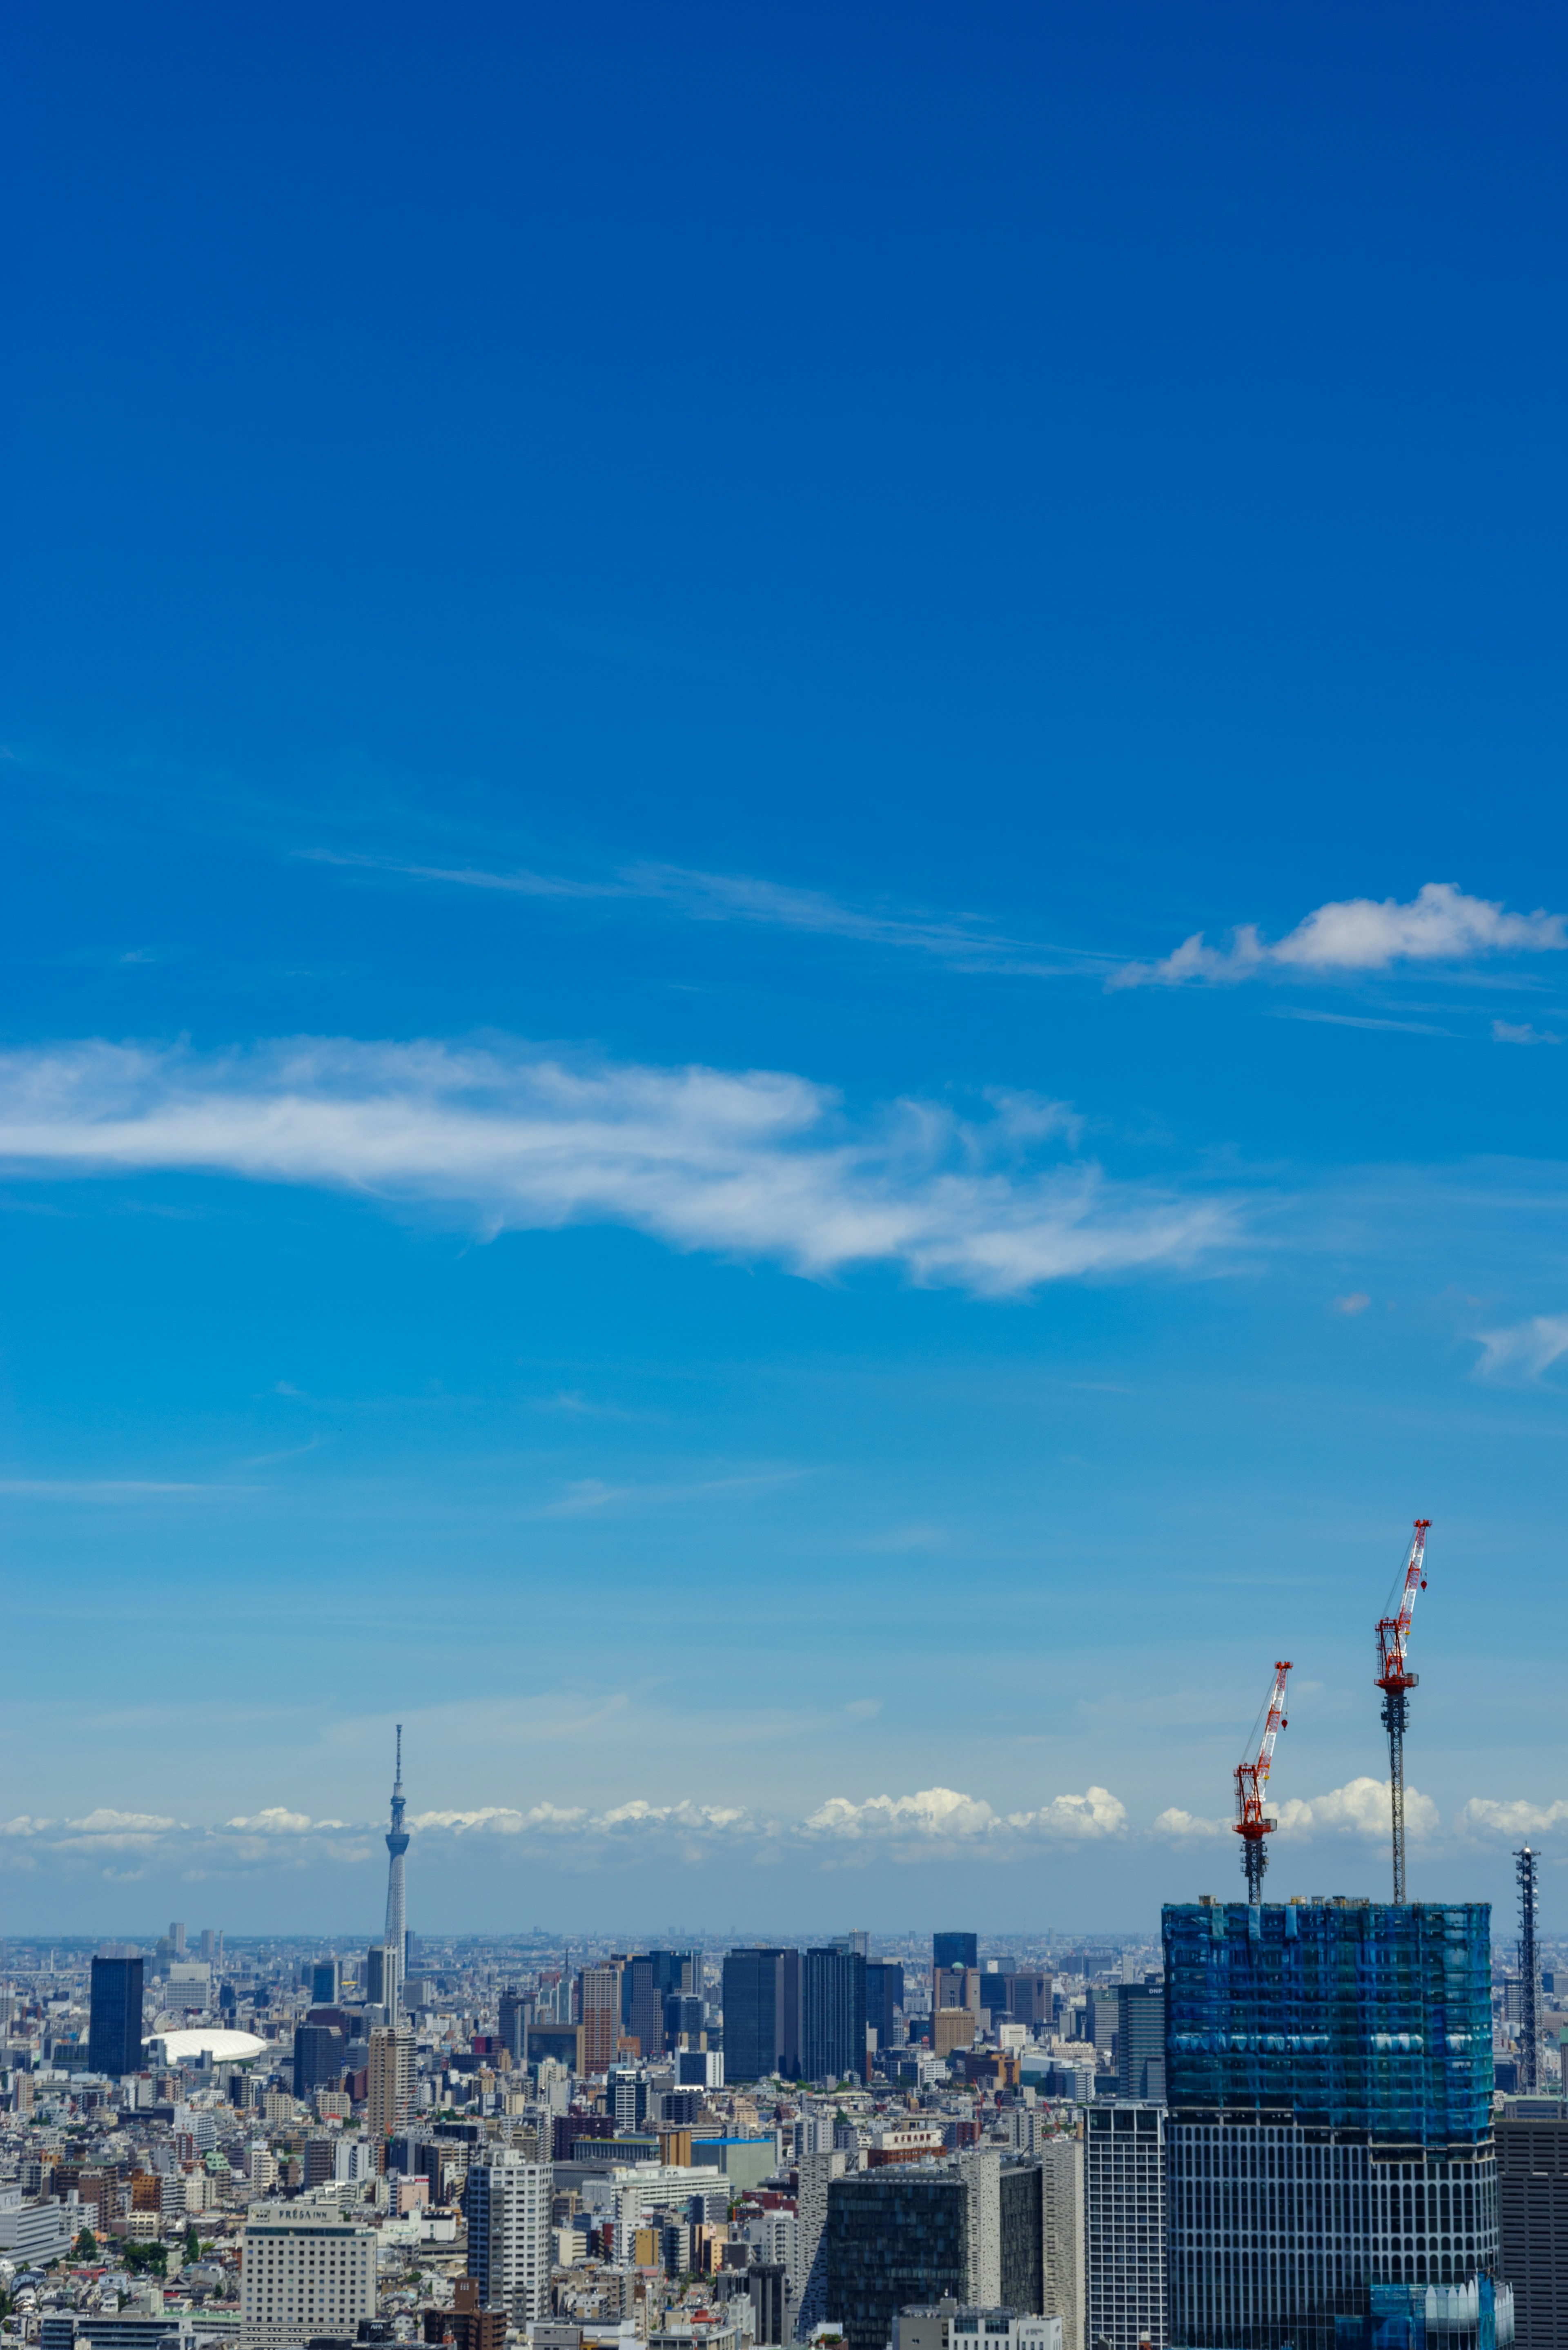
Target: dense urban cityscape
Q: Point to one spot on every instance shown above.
(1325, 2122)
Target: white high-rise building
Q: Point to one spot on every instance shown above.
(506, 2202)
(1127, 2276)
(302, 2278)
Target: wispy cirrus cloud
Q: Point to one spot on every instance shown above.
(1526, 1350)
(1439, 924)
(758, 1164)
(968, 941)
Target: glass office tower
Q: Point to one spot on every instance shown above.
(1332, 2177)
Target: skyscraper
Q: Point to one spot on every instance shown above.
(762, 2013)
(601, 2015)
(394, 1941)
(1331, 2166)
(390, 2083)
(954, 1950)
(1533, 2217)
(1123, 2226)
(1141, 2039)
(114, 2017)
(884, 2001)
(833, 2016)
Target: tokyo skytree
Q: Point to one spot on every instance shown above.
(397, 1904)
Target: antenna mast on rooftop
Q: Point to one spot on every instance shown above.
(1395, 1683)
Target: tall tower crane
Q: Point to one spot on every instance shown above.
(1252, 1822)
(1395, 1683)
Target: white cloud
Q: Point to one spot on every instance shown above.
(1520, 1032)
(1440, 924)
(1484, 1818)
(1526, 1350)
(1358, 1808)
(276, 1821)
(754, 1164)
(1188, 1827)
(107, 1823)
(942, 1815)
(1356, 1303)
(967, 941)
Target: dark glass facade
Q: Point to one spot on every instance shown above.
(894, 2236)
(1022, 2214)
(762, 2013)
(884, 1993)
(114, 2025)
(318, 2057)
(955, 1950)
(833, 2015)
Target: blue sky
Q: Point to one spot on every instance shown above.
(636, 642)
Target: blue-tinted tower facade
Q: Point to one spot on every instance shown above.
(1332, 2173)
(832, 2015)
(114, 2017)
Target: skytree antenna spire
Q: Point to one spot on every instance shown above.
(396, 1944)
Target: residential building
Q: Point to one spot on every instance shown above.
(1332, 2165)
(1063, 2258)
(304, 2278)
(833, 2015)
(471, 2326)
(506, 2202)
(114, 2013)
(1533, 2217)
(761, 1998)
(817, 2172)
(391, 2086)
(1126, 2297)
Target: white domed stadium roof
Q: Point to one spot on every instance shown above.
(225, 2047)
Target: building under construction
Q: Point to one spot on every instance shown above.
(1332, 2175)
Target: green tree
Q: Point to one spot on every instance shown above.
(192, 2244)
(87, 2244)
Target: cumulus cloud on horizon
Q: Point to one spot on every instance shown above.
(1440, 924)
(932, 1824)
(755, 1164)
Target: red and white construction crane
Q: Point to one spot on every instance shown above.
(1253, 1820)
(1395, 1683)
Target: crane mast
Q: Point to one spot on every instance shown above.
(1252, 1822)
(1397, 1682)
